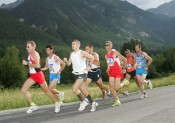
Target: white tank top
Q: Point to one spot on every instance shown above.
(53, 66)
(78, 62)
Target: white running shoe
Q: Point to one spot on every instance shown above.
(82, 105)
(126, 93)
(143, 96)
(150, 84)
(94, 106)
(61, 96)
(57, 107)
(31, 109)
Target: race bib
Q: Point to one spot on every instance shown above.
(51, 68)
(110, 61)
(129, 66)
(139, 65)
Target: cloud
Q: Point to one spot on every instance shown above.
(145, 4)
(6, 1)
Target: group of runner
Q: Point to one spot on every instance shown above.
(86, 68)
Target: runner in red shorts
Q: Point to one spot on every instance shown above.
(36, 76)
(114, 71)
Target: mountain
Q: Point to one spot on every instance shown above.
(94, 21)
(12, 32)
(165, 9)
(11, 5)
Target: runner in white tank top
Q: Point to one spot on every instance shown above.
(55, 66)
(78, 61)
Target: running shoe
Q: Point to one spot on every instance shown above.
(57, 107)
(31, 109)
(150, 84)
(126, 93)
(94, 106)
(82, 105)
(117, 103)
(143, 96)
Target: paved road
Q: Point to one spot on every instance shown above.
(159, 107)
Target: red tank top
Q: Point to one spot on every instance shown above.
(31, 69)
(130, 64)
(112, 62)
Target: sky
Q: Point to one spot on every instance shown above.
(143, 4)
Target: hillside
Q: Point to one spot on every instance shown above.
(95, 21)
(165, 9)
(12, 32)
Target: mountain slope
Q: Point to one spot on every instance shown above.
(12, 32)
(165, 9)
(95, 21)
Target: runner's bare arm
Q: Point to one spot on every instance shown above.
(61, 62)
(90, 57)
(68, 62)
(122, 58)
(96, 59)
(147, 57)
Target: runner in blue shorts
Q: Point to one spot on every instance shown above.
(143, 61)
(55, 66)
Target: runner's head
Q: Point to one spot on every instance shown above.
(89, 48)
(49, 49)
(76, 44)
(127, 52)
(138, 48)
(31, 45)
(132, 52)
(108, 45)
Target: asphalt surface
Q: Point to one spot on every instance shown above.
(158, 107)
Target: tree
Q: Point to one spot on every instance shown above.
(131, 45)
(12, 71)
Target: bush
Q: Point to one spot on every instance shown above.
(13, 73)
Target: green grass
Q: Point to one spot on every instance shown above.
(12, 98)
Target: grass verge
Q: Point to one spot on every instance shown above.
(12, 98)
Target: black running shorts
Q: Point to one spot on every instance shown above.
(94, 75)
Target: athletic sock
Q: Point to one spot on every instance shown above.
(80, 96)
(90, 98)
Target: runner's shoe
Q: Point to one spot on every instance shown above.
(126, 93)
(82, 105)
(57, 107)
(31, 109)
(94, 106)
(150, 84)
(117, 103)
(143, 96)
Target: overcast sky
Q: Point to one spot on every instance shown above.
(143, 4)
